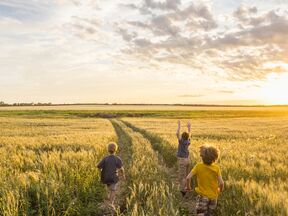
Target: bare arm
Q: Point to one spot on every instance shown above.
(189, 126)
(178, 130)
(189, 176)
(122, 173)
(220, 183)
(188, 181)
(100, 165)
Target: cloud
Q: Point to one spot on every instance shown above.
(208, 91)
(194, 37)
(158, 25)
(194, 17)
(127, 36)
(227, 91)
(84, 19)
(190, 95)
(94, 4)
(26, 10)
(200, 10)
(248, 16)
(162, 25)
(83, 27)
(245, 12)
(142, 42)
(166, 5)
(24, 5)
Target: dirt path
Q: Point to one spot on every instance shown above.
(187, 203)
(125, 153)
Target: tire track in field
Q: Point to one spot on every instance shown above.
(168, 159)
(161, 179)
(125, 152)
(161, 146)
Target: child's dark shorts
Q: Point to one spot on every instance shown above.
(205, 205)
(112, 187)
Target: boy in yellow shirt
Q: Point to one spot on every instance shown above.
(209, 180)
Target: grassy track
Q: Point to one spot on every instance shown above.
(167, 151)
(126, 153)
(150, 191)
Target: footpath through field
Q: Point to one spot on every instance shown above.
(150, 188)
(168, 159)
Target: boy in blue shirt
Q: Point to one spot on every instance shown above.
(110, 165)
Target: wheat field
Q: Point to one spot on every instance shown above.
(48, 166)
(48, 163)
(253, 159)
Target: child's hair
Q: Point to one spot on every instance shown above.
(185, 136)
(112, 147)
(209, 154)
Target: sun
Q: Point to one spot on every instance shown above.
(275, 90)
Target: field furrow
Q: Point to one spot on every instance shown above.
(160, 145)
(167, 154)
(150, 191)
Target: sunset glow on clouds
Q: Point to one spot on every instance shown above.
(145, 51)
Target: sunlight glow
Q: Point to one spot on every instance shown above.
(275, 91)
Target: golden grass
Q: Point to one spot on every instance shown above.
(48, 167)
(150, 191)
(253, 159)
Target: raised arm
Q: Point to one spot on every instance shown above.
(178, 130)
(189, 126)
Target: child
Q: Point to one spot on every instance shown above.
(208, 179)
(183, 157)
(109, 166)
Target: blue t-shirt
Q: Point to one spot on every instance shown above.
(109, 166)
(183, 151)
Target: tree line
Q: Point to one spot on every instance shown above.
(2, 103)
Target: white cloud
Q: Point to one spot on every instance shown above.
(193, 38)
(166, 5)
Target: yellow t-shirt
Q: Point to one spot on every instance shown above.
(207, 179)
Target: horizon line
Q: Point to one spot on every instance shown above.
(139, 104)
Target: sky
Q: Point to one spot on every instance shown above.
(144, 51)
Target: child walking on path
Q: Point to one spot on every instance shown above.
(110, 165)
(209, 181)
(183, 156)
